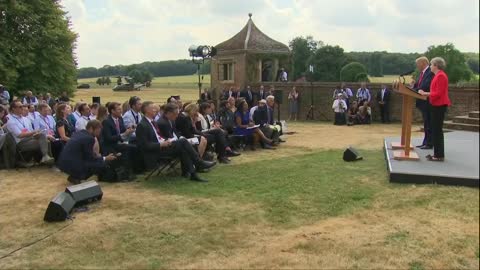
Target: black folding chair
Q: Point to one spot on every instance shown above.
(166, 163)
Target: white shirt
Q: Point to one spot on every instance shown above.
(131, 118)
(17, 125)
(159, 138)
(252, 111)
(383, 93)
(76, 115)
(339, 106)
(81, 123)
(46, 124)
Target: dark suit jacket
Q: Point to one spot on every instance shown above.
(110, 135)
(270, 113)
(205, 96)
(248, 97)
(386, 96)
(425, 86)
(263, 95)
(147, 143)
(185, 127)
(260, 116)
(77, 155)
(166, 129)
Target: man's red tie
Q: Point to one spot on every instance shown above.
(420, 79)
(117, 125)
(157, 130)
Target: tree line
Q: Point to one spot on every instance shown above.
(155, 69)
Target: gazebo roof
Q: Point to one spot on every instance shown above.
(250, 38)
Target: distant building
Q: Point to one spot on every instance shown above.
(249, 57)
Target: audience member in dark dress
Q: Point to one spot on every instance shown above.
(245, 127)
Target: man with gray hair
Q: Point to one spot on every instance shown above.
(423, 83)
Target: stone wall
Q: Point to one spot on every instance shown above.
(464, 99)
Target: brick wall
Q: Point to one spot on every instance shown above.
(464, 99)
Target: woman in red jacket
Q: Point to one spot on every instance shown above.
(439, 101)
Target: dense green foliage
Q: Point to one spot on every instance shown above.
(302, 49)
(457, 68)
(140, 76)
(36, 47)
(156, 69)
(352, 72)
(327, 62)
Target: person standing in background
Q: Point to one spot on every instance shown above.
(383, 99)
(293, 104)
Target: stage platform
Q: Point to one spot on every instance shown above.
(460, 168)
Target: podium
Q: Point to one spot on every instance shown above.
(404, 149)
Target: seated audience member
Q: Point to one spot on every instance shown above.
(364, 114)
(245, 127)
(64, 129)
(339, 107)
(352, 113)
(132, 117)
(272, 130)
(64, 98)
(232, 104)
(4, 96)
(47, 125)
(114, 132)
(102, 113)
(26, 138)
(363, 94)
(185, 125)
(73, 117)
(25, 113)
(94, 110)
(30, 99)
(154, 145)
(78, 158)
(207, 123)
(213, 115)
(81, 123)
(260, 118)
(205, 96)
(226, 117)
(32, 113)
(49, 100)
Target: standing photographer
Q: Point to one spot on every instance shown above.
(339, 107)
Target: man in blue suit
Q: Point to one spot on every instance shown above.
(423, 83)
(78, 159)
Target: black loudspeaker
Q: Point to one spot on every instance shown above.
(59, 207)
(96, 100)
(278, 94)
(351, 154)
(85, 192)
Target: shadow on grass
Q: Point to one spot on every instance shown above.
(290, 191)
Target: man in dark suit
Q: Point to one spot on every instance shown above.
(205, 96)
(78, 159)
(228, 94)
(114, 132)
(383, 99)
(262, 94)
(423, 83)
(154, 145)
(247, 94)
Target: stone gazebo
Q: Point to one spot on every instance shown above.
(249, 57)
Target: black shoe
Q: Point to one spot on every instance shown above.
(195, 177)
(73, 180)
(426, 147)
(203, 165)
(224, 160)
(420, 146)
(281, 141)
(233, 154)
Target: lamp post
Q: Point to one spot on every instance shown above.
(199, 54)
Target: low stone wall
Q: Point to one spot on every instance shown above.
(464, 100)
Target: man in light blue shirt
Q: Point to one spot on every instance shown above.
(132, 117)
(45, 122)
(4, 95)
(26, 137)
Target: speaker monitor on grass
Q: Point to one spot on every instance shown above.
(59, 207)
(351, 154)
(85, 192)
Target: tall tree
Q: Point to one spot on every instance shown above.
(302, 49)
(327, 62)
(36, 47)
(457, 68)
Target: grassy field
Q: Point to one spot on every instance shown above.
(298, 207)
